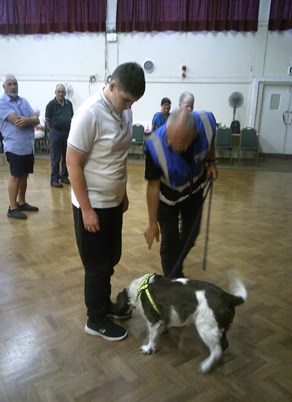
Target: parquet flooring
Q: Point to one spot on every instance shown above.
(47, 357)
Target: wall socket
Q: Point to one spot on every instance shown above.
(111, 37)
(93, 78)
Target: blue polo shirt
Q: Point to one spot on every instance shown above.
(20, 141)
(158, 120)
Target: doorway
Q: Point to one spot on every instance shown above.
(275, 126)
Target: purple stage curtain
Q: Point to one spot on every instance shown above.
(44, 16)
(187, 15)
(280, 15)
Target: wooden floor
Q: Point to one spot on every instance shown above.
(47, 357)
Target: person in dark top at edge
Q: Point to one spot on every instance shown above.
(161, 117)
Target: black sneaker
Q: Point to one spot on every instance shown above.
(106, 329)
(119, 313)
(27, 207)
(16, 214)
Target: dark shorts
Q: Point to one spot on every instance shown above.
(20, 165)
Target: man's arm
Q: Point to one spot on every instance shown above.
(211, 161)
(75, 162)
(22, 121)
(154, 125)
(47, 122)
(48, 115)
(152, 197)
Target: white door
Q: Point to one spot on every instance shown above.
(276, 120)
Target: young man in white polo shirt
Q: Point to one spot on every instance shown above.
(98, 145)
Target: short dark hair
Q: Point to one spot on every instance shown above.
(130, 78)
(165, 100)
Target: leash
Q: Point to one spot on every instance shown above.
(208, 225)
(186, 245)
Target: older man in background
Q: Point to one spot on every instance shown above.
(59, 112)
(186, 101)
(17, 127)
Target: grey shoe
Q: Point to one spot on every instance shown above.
(65, 180)
(16, 214)
(56, 184)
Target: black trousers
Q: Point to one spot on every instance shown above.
(176, 223)
(99, 253)
(58, 148)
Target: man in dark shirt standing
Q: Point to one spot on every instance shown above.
(59, 113)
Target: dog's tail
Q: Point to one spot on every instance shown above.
(237, 289)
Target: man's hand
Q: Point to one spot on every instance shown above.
(91, 221)
(125, 203)
(22, 122)
(212, 170)
(150, 234)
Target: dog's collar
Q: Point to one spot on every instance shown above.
(144, 286)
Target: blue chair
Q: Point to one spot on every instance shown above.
(248, 142)
(224, 141)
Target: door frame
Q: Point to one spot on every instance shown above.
(258, 98)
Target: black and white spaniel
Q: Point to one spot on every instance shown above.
(166, 302)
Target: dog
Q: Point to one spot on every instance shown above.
(165, 302)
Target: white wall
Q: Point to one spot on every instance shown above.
(218, 63)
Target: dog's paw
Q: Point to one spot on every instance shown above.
(224, 342)
(204, 367)
(147, 350)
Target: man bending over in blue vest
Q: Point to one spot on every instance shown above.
(180, 157)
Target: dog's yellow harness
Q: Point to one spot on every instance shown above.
(144, 286)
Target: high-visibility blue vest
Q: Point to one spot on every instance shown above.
(180, 177)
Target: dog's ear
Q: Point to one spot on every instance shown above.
(122, 298)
